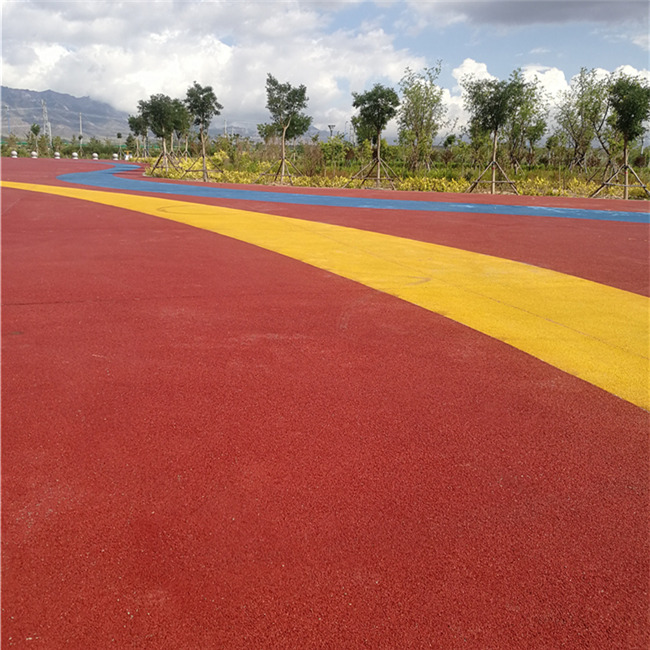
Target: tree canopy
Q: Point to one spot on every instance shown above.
(158, 114)
(163, 115)
(582, 115)
(182, 118)
(420, 114)
(285, 104)
(630, 100)
(138, 126)
(526, 123)
(202, 105)
(490, 102)
(376, 108)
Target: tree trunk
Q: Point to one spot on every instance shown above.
(284, 157)
(493, 185)
(379, 159)
(205, 167)
(626, 170)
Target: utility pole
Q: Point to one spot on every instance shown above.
(47, 127)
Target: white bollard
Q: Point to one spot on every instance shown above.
(34, 154)
(57, 155)
(14, 154)
(95, 156)
(75, 155)
(115, 156)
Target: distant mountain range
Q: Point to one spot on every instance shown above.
(67, 115)
(22, 108)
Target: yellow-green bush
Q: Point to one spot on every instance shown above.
(264, 173)
(427, 184)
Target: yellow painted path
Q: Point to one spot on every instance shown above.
(590, 330)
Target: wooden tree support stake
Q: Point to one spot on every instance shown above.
(191, 168)
(493, 165)
(170, 160)
(389, 174)
(626, 185)
(288, 164)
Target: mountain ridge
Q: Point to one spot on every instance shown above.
(69, 116)
(66, 114)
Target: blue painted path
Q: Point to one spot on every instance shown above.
(107, 179)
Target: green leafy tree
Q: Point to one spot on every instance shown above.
(629, 99)
(362, 132)
(202, 104)
(420, 114)
(34, 130)
(182, 123)
(376, 108)
(285, 103)
(162, 115)
(557, 149)
(95, 145)
(335, 150)
(130, 143)
(582, 116)
(527, 122)
(491, 103)
(138, 127)
(448, 146)
(42, 145)
(267, 132)
(479, 146)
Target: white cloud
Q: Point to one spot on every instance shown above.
(630, 71)
(456, 116)
(123, 51)
(471, 68)
(453, 100)
(551, 80)
(141, 54)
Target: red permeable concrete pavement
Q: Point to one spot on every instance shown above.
(208, 445)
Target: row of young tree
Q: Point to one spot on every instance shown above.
(511, 115)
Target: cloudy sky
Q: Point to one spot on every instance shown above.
(120, 52)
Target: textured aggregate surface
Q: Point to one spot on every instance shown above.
(207, 444)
